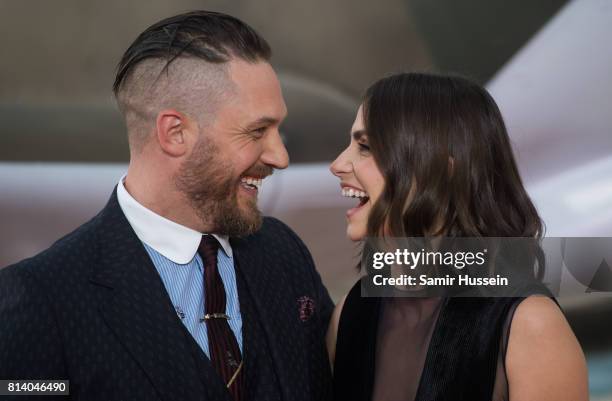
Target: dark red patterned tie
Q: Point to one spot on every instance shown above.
(222, 344)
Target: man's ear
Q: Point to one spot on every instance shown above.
(174, 131)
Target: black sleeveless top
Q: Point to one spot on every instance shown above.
(422, 349)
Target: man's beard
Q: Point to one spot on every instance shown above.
(208, 183)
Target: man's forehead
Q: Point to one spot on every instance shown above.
(249, 75)
(257, 93)
(234, 117)
(256, 117)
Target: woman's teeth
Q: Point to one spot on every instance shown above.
(353, 193)
(251, 182)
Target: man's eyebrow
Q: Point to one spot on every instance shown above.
(260, 122)
(357, 135)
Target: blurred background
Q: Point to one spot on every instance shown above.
(63, 145)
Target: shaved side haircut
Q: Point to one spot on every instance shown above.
(181, 63)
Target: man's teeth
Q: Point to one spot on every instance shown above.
(353, 193)
(255, 182)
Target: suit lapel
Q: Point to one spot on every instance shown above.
(138, 310)
(276, 309)
(249, 344)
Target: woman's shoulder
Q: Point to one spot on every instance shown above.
(539, 323)
(543, 349)
(538, 314)
(537, 319)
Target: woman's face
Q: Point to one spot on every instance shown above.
(360, 178)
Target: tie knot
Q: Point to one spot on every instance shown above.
(208, 247)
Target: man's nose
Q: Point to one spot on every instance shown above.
(275, 154)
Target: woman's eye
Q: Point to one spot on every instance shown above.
(363, 147)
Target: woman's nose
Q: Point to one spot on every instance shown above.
(342, 164)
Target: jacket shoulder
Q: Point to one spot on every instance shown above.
(272, 226)
(30, 346)
(279, 235)
(73, 249)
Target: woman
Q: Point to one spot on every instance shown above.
(430, 155)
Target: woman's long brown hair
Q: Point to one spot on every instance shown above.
(445, 136)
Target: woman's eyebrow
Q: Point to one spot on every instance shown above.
(357, 135)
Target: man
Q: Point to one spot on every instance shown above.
(138, 304)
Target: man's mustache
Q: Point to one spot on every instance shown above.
(261, 171)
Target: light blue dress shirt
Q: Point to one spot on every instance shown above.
(173, 251)
(185, 286)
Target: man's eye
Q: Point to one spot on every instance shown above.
(364, 147)
(259, 131)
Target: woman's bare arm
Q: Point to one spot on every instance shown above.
(544, 361)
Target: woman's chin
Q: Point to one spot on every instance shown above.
(355, 233)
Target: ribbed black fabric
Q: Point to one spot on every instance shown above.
(461, 359)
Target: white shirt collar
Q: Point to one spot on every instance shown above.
(174, 241)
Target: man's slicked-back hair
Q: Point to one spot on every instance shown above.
(182, 63)
(211, 36)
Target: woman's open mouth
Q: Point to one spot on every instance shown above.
(362, 196)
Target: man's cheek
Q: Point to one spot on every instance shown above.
(248, 160)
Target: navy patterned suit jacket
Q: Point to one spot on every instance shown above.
(92, 309)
